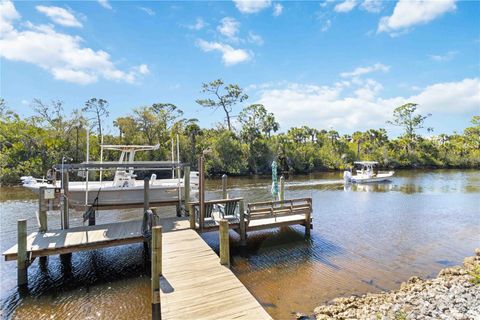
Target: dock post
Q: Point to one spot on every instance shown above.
(308, 216)
(282, 188)
(224, 243)
(22, 263)
(156, 271)
(146, 194)
(243, 227)
(224, 187)
(191, 211)
(201, 193)
(42, 210)
(65, 215)
(186, 188)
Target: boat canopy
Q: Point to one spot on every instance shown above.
(138, 165)
(366, 163)
(129, 148)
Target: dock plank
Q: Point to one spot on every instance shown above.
(90, 237)
(195, 285)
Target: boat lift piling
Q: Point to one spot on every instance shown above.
(224, 187)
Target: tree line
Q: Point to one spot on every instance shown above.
(245, 143)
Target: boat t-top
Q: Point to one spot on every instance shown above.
(124, 188)
(366, 173)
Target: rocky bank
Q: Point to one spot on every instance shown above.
(454, 294)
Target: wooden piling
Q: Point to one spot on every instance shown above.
(156, 271)
(308, 216)
(191, 211)
(224, 187)
(224, 243)
(243, 227)
(22, 262)
(186, 188)
(65, 208)
(201, 191)
(146, 194)
(42, 210)
(282, 188)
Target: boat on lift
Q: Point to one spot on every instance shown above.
(367, 173)
(124, 188)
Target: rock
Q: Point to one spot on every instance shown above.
(451, 295)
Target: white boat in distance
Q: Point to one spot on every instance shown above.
(124, 189)
(366, 173)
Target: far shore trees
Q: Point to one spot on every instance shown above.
(31, 145)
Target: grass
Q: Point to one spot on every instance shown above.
(475, 273)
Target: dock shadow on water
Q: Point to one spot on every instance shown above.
(365, 239)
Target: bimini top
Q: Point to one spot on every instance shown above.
(366, 162)
(129, 147)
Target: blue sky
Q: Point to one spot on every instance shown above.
(341, 64)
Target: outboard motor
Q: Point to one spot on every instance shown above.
(347, 176)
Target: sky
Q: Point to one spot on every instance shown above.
(325, 64)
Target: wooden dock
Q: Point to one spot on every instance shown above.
(89, 238)
(196, 286)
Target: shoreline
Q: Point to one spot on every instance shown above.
(453, 294)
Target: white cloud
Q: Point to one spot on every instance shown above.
(324, 106)
(450, 97)
(142, 69)
(408, 13)
(373, 6)
(345, 6)
(60, 16)
(364, 70)
(198, 25)
(443, 58)
(148, 11)
(255, 38)
(61, 54)
(229, 27)
(252, 6)
(105, 4)
(326, 25)
(230, 56)
(277, 9)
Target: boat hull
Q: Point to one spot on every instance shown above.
(381, 177)
(159, 191)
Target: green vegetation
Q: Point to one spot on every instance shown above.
(475, 273)
(30, 146)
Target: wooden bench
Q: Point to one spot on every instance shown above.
(225, 209)
(270, 214)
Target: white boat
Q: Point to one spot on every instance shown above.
(124, 188)
(366, 173)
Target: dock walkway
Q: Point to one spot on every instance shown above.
(196, 286)
(83, 238)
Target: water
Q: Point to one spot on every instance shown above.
(366, 238)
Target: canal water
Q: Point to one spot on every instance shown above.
(366, 238)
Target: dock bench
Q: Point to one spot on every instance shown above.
(271, 214)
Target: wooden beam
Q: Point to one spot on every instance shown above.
(243, 229)
(65, 208)
(224, 243)
(186, 187)
(22, 263)
(224, 187)
(42, 210)
(156, 271)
